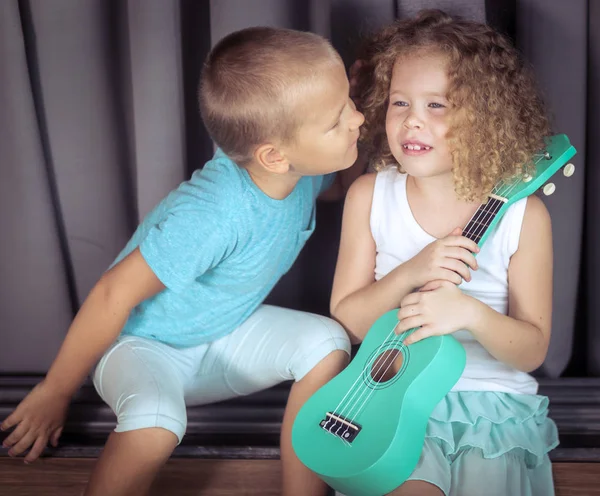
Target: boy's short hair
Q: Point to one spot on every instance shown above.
(251, 82)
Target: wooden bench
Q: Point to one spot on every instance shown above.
(243, 434)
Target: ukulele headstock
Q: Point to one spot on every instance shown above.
(548, 162)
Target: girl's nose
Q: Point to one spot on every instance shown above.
(413, 122)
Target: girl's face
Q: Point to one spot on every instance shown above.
(417, 115)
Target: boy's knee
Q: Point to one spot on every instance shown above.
(142, 391)
(152, 409)
(323, 330)
(323, 341)
(153, 442)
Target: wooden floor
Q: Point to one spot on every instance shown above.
(187, 477)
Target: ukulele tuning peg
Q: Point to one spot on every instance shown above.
(549, 189)
(568, 170)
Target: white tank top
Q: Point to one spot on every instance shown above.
(399, 237)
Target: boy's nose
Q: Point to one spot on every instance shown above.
(359, 119)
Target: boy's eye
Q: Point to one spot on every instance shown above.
(335, 126)
(400, 103)
(437, 105)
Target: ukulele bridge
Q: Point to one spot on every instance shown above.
(340, 426)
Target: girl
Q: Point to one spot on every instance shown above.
(452, 109)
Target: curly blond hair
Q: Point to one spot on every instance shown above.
(497, 116)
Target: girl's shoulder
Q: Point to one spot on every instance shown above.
(361, 190)
(525, 222)
(366, 186)
(536, 225)
(368, 183)
(536, 211)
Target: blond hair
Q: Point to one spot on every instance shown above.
(252, 83)
(497, 120)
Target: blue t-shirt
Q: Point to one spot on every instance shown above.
(219, 245)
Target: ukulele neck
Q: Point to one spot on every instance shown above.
(483, 218)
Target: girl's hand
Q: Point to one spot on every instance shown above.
(438, 308)
(446, 259)
(38, 418)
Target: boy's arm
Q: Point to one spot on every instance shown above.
(521, 339)
(100, 320)
(40, 415)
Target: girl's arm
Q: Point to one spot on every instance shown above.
(521, 339)
(356, 299)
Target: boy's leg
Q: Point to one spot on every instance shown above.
(274, 345)
(130, 461)
(140, 381)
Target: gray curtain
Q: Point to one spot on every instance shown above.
(98, 120)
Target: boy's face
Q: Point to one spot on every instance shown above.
(327, 136)
(417, 115)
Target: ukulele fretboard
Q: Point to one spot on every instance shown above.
(483, 218)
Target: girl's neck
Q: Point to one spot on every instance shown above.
(436, 190)
(435, 206)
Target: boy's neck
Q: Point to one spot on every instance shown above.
(275, 186)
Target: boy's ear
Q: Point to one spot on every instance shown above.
(271, 158)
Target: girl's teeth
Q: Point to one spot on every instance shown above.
(417, 147)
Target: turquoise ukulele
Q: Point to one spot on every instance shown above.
(363, 432)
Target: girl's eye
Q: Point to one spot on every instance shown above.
(400, 104)
(437, 105)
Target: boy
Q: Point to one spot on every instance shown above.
(178, 318)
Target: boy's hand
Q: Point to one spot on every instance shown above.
(446, 259)
(438, 308)
(37, 419)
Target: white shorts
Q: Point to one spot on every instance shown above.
(149, 384)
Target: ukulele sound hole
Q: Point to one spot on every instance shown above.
(387, 365)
